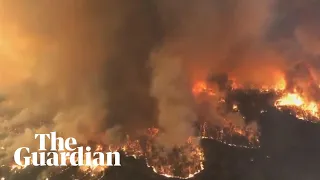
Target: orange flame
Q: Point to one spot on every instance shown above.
(302, 106)
(202, 87)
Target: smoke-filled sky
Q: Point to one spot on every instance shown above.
(90, 69)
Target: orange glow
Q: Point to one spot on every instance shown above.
(301, 106)
(280, 84)
(92, 168)
(16, 167)
(190, 158)
(290, 99)
(202, 87)
(235, 84)
(235, 107)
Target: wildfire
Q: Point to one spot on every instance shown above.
(92, 169)
(279, 86)
(235, 84)
(290, 99)
(183, 161)
(186, 160)
(222, 134)
(303, 108)
(202, 87)
(228, 129)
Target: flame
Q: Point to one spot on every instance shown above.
(183, 162)
(302, 107)
(202, 87)
(290, 99)
(279, 85)
(235, 84)
(297, 101)
(186, 160)
(229, 129)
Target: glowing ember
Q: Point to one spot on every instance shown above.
(16, 167)
(226, 133)
(93, 169)
(235, 107)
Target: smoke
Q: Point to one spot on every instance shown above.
(306, 31)
(176, 111)
(301, 19)
(307, 35)
(93, 69)
(209, 37)
(128, 72)
(53, 57)
(219, 37)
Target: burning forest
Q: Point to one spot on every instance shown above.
(227, 99)
(161, 82)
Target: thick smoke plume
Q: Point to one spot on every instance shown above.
(255, 42)
(53, 58)
(176, 107)
(223, 36)
(89, 69)
(210, 37)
